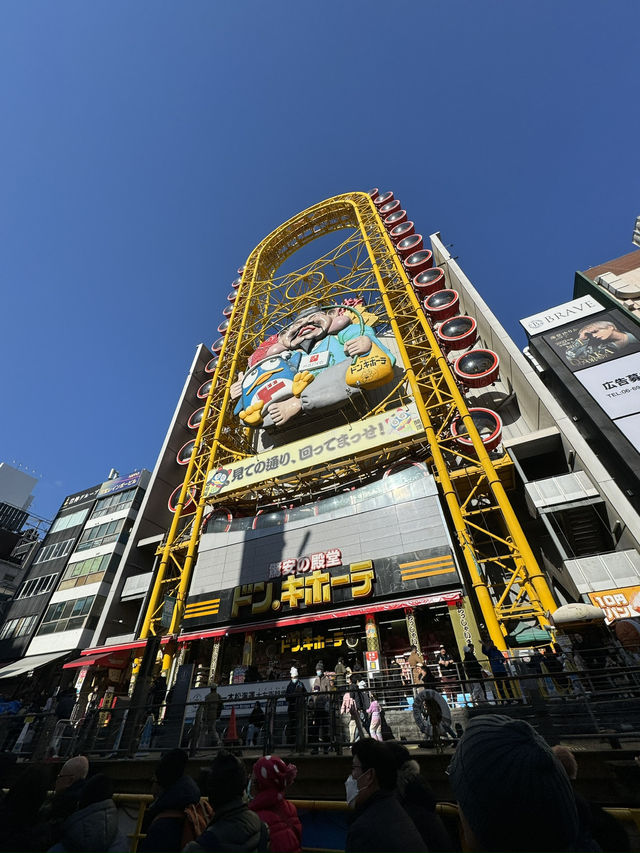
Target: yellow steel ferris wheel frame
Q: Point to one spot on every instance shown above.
(501, 567)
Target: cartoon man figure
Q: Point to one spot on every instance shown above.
(329, 340)
(317, 348)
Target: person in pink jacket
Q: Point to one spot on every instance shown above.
(269, 778)
(375, 712)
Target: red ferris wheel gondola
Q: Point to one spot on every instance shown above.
(383, 199)
(203, 391)
(186, 452)
(408, 245)
(458, 333)
(394, 219)
(195, 418)
(389, 208)
(189, 506)
(418, 261)
(477, 368)
(401, 230)
(488, 424)
(428, 282)
(442, 305)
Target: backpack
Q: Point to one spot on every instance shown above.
(195, 819)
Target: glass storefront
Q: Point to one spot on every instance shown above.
(269, 654)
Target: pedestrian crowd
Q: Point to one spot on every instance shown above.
(513, 792)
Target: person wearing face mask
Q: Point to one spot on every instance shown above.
(295, 696)
(379, 823)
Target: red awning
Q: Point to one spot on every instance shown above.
(324, 616)
(110, 660)
(121, 647)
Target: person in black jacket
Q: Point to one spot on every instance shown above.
(595, 824)
(473, 671)
(418, 800)
(163, 823)
(295, 696)
(68, 787)
(20, 826)
(380, 824)
(233, 826)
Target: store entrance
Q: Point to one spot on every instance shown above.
(269, 654)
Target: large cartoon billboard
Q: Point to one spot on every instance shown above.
(325, 356)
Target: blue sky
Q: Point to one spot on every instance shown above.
(147, 147)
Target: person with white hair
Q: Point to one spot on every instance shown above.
(295, 696)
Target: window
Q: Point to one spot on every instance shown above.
(67, 615)
(70, 520)
(36, 586)
(113, 503)
(86, 571)
(18, 627)
(50, 552)
(102, 534)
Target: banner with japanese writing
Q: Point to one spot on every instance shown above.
(622, 603)
(376, 431)
(615, 385)
(594, 340)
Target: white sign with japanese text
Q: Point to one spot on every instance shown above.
(614, 385)
(375, 431)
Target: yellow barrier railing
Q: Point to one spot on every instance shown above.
(444, 809)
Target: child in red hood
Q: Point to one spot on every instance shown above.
(269, 778)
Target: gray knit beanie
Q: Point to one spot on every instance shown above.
(514, 793)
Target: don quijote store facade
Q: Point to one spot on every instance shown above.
(357, 575)
(344, 495)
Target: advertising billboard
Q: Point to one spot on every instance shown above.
(614, 385)
(601, 348)
(609, 335)
(621, 603)
(561, 315)
(305, 589)
(375, 431)
(110, 487)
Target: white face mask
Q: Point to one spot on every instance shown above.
(318, 672)
(294, 678)
(351, 789)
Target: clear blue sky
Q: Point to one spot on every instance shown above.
(147, 147)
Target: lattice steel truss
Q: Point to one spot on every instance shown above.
(501, 567)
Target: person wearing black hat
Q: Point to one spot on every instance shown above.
(513, 794)
(417, 799)
(174, 791)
